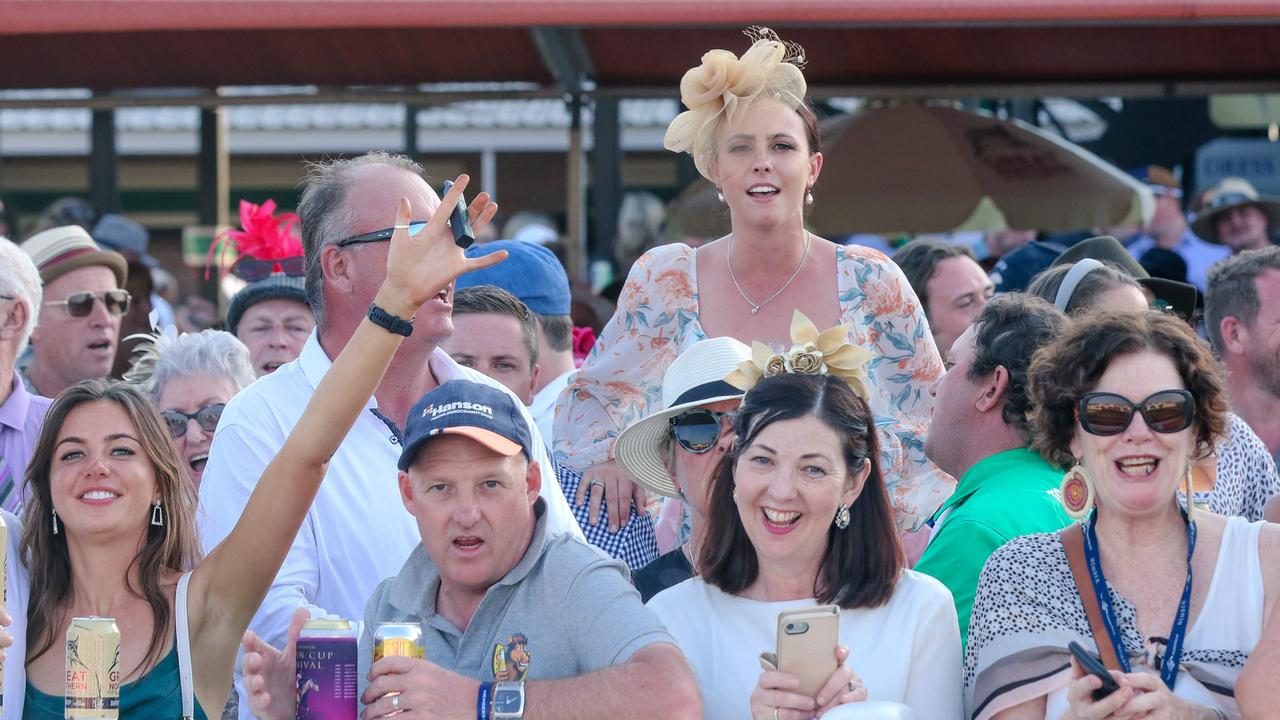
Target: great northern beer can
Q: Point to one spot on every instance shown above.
(327, 670)
(398, 639)
(93, 669)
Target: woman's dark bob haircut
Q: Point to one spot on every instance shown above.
(862, 563)
(1067, 369)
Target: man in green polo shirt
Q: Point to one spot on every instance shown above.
(980, 434)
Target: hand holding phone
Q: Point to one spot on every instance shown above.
(1093, 666)
(807, 641)
(459, 223)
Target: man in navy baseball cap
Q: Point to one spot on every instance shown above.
(466, 409)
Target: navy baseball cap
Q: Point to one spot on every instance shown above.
(531, 273)
(470, 409)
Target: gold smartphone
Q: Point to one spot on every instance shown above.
(807, 641)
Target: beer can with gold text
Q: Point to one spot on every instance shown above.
(327, 670)
(398, 639)
(93, 669)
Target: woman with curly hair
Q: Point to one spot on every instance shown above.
(1171, 598)
(751, 133)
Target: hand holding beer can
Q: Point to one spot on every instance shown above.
(398, 639)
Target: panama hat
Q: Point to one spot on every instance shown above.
(1227, 194)
(694, 378)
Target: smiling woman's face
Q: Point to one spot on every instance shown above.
(101, 480)
(790, 481)
(1137, 471)
(763, 164)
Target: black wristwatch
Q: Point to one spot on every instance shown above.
(391, 323)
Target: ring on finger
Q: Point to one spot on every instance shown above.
(854, 684)
(395, 702)
(594, 483)
(775, 713)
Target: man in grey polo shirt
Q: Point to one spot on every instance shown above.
(493, 591)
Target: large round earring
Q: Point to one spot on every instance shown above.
(842, 517)
(1076, 492)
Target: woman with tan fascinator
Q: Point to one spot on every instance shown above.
(798, 519)
(109, 527)
(751, 133)
(1171, 600)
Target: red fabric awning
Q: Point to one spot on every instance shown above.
(205, 43)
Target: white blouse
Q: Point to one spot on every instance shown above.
(906, 651)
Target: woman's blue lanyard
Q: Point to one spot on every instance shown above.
(1173, 649)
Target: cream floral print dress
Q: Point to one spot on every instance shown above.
(657, 318)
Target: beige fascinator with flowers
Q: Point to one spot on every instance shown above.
(725, 85)
(813, 353)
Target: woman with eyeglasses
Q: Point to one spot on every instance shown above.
(676, 451)
(1239, 476)
(191, 377)
(1172, 599)
(110, 527)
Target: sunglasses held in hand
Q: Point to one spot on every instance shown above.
(1167, 411)
(81, 304)
(206, 417)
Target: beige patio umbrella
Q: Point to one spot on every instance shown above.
(934, 168)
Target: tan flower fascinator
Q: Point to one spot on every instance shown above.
(724, 85)
(813, 353)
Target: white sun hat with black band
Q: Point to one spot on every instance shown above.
(694, 378)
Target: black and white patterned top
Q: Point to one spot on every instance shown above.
(1247, 475)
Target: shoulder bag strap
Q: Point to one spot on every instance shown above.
(184, 650)
(1073, 544)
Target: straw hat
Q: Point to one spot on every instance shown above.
(1227, 194)
(694, 378)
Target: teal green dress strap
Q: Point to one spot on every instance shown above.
(154, 696)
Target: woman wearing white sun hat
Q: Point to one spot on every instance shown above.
(675, 451)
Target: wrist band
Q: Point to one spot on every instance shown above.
(389, 322)
(482, 701)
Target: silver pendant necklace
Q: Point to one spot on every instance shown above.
(755, 307)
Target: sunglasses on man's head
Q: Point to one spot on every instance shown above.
(380, 235)
(206, 417)
(697, 430)
(252, 269)
(81, 304)
(1167, 411)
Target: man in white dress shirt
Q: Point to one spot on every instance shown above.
(357, 531)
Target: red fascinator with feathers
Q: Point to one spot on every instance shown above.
(265, 244)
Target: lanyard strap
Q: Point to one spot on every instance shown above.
(1173, 649)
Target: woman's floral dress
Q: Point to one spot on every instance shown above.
(657, 318)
